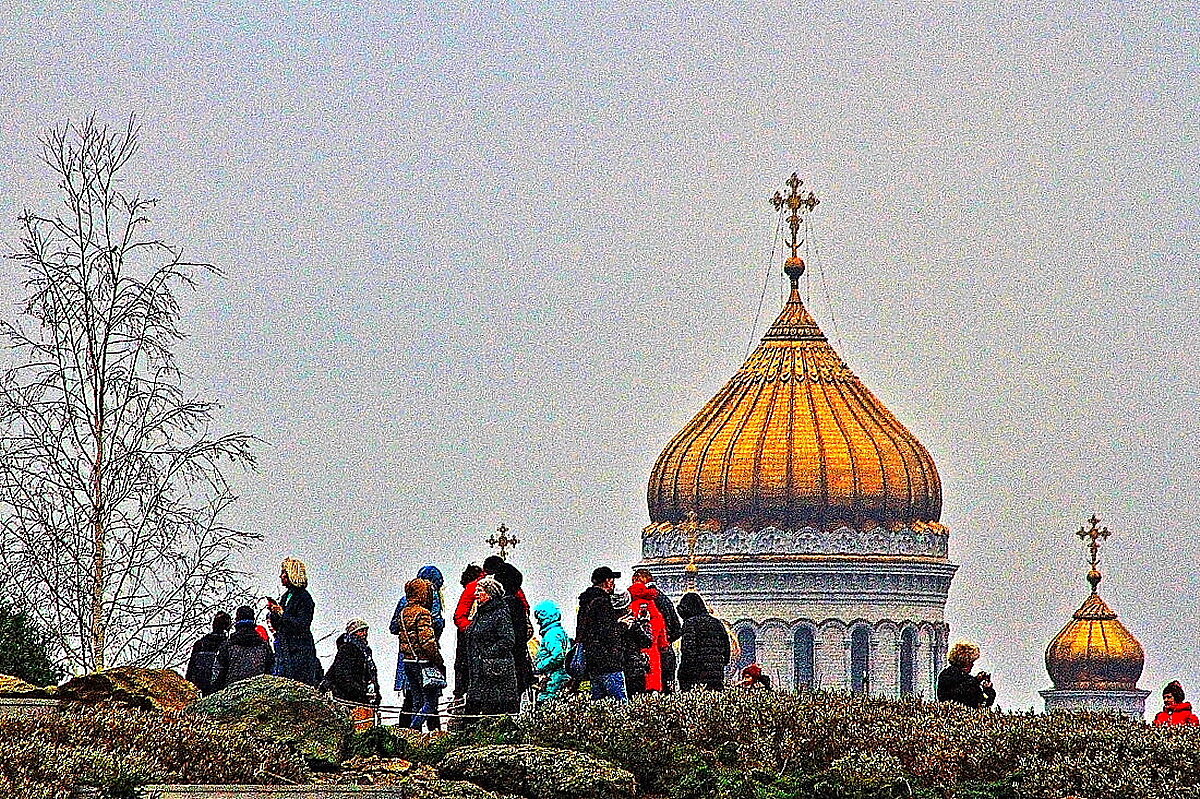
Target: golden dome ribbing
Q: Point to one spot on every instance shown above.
(795, 439)
(1095, 651)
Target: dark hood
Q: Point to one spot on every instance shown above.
(509, 576)
(691, 605)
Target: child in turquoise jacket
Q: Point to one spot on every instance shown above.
(551, 659)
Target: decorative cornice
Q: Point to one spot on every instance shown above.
(667, 541)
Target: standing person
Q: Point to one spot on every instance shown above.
(956, 683)
(636, 640)
(599, 632)
(461, 671)
(551, 662)
(1175, 711)
(244, 655)
(204, 654)
(511, 578)
(644, 605)
(352, 677)
(466, 601)
(434, 576)
(492, 686)
(704, 653)
(674, 628)
(291, 617)
(421, 654)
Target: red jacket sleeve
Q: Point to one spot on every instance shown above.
(462, 611)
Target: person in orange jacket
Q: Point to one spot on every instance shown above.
(1175, 710)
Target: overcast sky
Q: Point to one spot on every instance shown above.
(484, 262)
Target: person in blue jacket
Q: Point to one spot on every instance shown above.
(551, 660)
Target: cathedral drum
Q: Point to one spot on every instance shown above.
(806, 514)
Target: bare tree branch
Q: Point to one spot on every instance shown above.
(111, 490)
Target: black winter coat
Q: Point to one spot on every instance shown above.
(667, 608)
(296, 652)
(598, 629)
(704, 651)
(634, 638)
(957, 685)
(492, 673)
(200, 664)
(352, 672)
(243, 656)
(522, 632)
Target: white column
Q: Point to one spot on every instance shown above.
(927, 648)
(885, 661)
(775, 648)
(833, 653)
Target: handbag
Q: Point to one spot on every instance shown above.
(576, 661)
(432, 677)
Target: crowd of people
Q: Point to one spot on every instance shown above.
(624, 644)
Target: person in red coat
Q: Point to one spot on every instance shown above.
(643, 604)
(1175, 710)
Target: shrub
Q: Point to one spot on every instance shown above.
(712, 744)
(50, 753)
(24, 649)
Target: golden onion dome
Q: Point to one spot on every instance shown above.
(1095, 651)
(793, 440)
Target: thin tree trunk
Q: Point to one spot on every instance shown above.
(98, 543)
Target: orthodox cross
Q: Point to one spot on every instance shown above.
(692, 530)
(1094, 535)
(504, 541)
(794, 201)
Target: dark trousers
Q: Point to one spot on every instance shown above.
(715, 685)
(461, 666)
(635, 683)
(670, 662)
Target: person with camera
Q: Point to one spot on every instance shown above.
(956, 683)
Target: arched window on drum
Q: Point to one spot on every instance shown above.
(804, 657)
(747, 642)
(908, 661)
(860, 660)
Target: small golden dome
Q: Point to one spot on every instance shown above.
(795, 439)
(1095, 651)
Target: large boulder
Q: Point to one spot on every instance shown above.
(128, 686)
(283, 710)
(15, 687)
(407, 780)
(538, 772)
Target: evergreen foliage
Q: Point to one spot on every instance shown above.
(25, 649)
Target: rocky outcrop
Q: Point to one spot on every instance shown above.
(407, 780)
(128, 686)
(538, 772)
(283, 710)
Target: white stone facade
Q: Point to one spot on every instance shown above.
(860, 624)
(1127, 703)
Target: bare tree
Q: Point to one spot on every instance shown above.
(112, 488)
